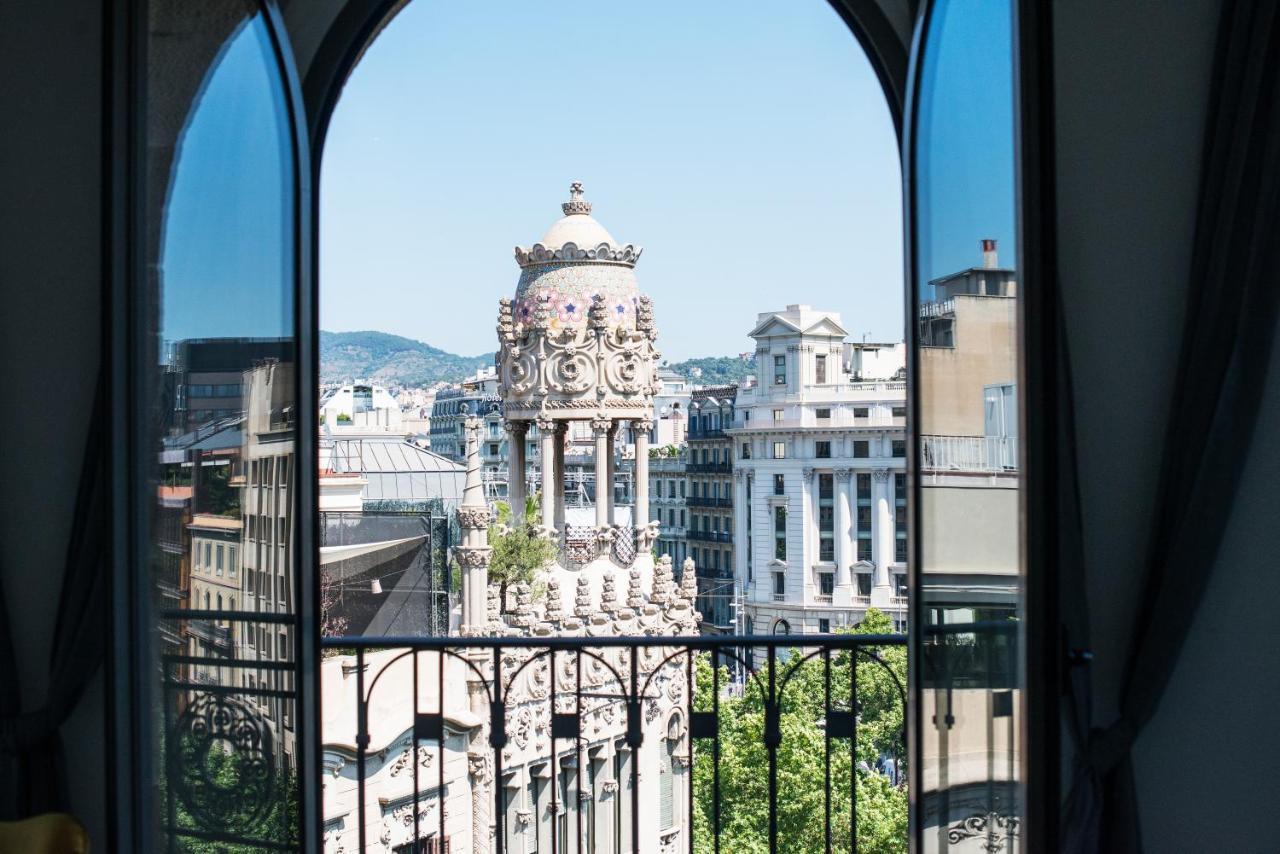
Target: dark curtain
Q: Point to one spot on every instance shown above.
(30, 749)
(1226, 347)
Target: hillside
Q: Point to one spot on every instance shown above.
(391, 360)
(395, 360)
(715, 370)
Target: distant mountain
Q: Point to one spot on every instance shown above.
(395, 360)
(716, 370)
(391, 360)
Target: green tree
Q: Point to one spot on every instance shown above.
(519, 554)
(218, 495)
(219, 775)
(801, 755)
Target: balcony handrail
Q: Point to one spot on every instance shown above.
(630, 686)
(822, 423)
(834, 640)
(938, 308)
(985, 454)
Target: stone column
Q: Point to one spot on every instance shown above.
(808, 536)
(613, 472)
(741, 541)
(473, 552)
(644, 535)
(846, 545)
(561, 432)
(517, 431)
(481, 775)
(601, 427)
(882, 536)
(549, 487)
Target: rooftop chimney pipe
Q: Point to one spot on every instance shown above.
(989, 261)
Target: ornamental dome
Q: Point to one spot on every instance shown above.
(576, 260)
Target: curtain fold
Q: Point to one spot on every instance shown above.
(30, 747)
(1226, 346)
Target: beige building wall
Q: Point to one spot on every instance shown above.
(952, 378)
(970, 528)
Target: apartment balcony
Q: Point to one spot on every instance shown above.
(210, 632)
(968, 454)
(942, 308)
(607, 743)
(696, 435)
(703, 501)
(711, 536)
(833, 423)
(709, 468)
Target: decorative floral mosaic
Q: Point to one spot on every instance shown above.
(572, 287)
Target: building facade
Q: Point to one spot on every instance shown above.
(667, 486)
(215, 586)
(819, 479)
(969, 441)
(267, 513)
(360, 406)
(477, 395)
(204, 377)
(710, 502)
(670, 409)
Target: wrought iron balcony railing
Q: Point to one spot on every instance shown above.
(711, 536)
(705, 501)
(710, 468)
(608, 744)
(229, 775)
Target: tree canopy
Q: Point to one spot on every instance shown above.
(801, 755)
(519, 554)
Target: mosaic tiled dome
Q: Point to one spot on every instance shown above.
(576, 260)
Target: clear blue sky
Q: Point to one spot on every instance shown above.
(226, 248)
(747, 147)
(965, 167)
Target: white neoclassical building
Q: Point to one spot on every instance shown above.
(819, 477)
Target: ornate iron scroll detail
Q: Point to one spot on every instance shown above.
(221, 764)
(996, 828)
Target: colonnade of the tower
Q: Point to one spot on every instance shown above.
(552, 437)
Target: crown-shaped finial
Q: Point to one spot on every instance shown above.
(576, 204)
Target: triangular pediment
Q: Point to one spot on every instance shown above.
(826, 326)
(775, 325)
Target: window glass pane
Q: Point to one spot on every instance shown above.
(967, 572)
(219, 728)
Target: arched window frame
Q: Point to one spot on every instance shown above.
(889, 46)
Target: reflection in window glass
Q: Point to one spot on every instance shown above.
(967, 366)
(220, 175)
